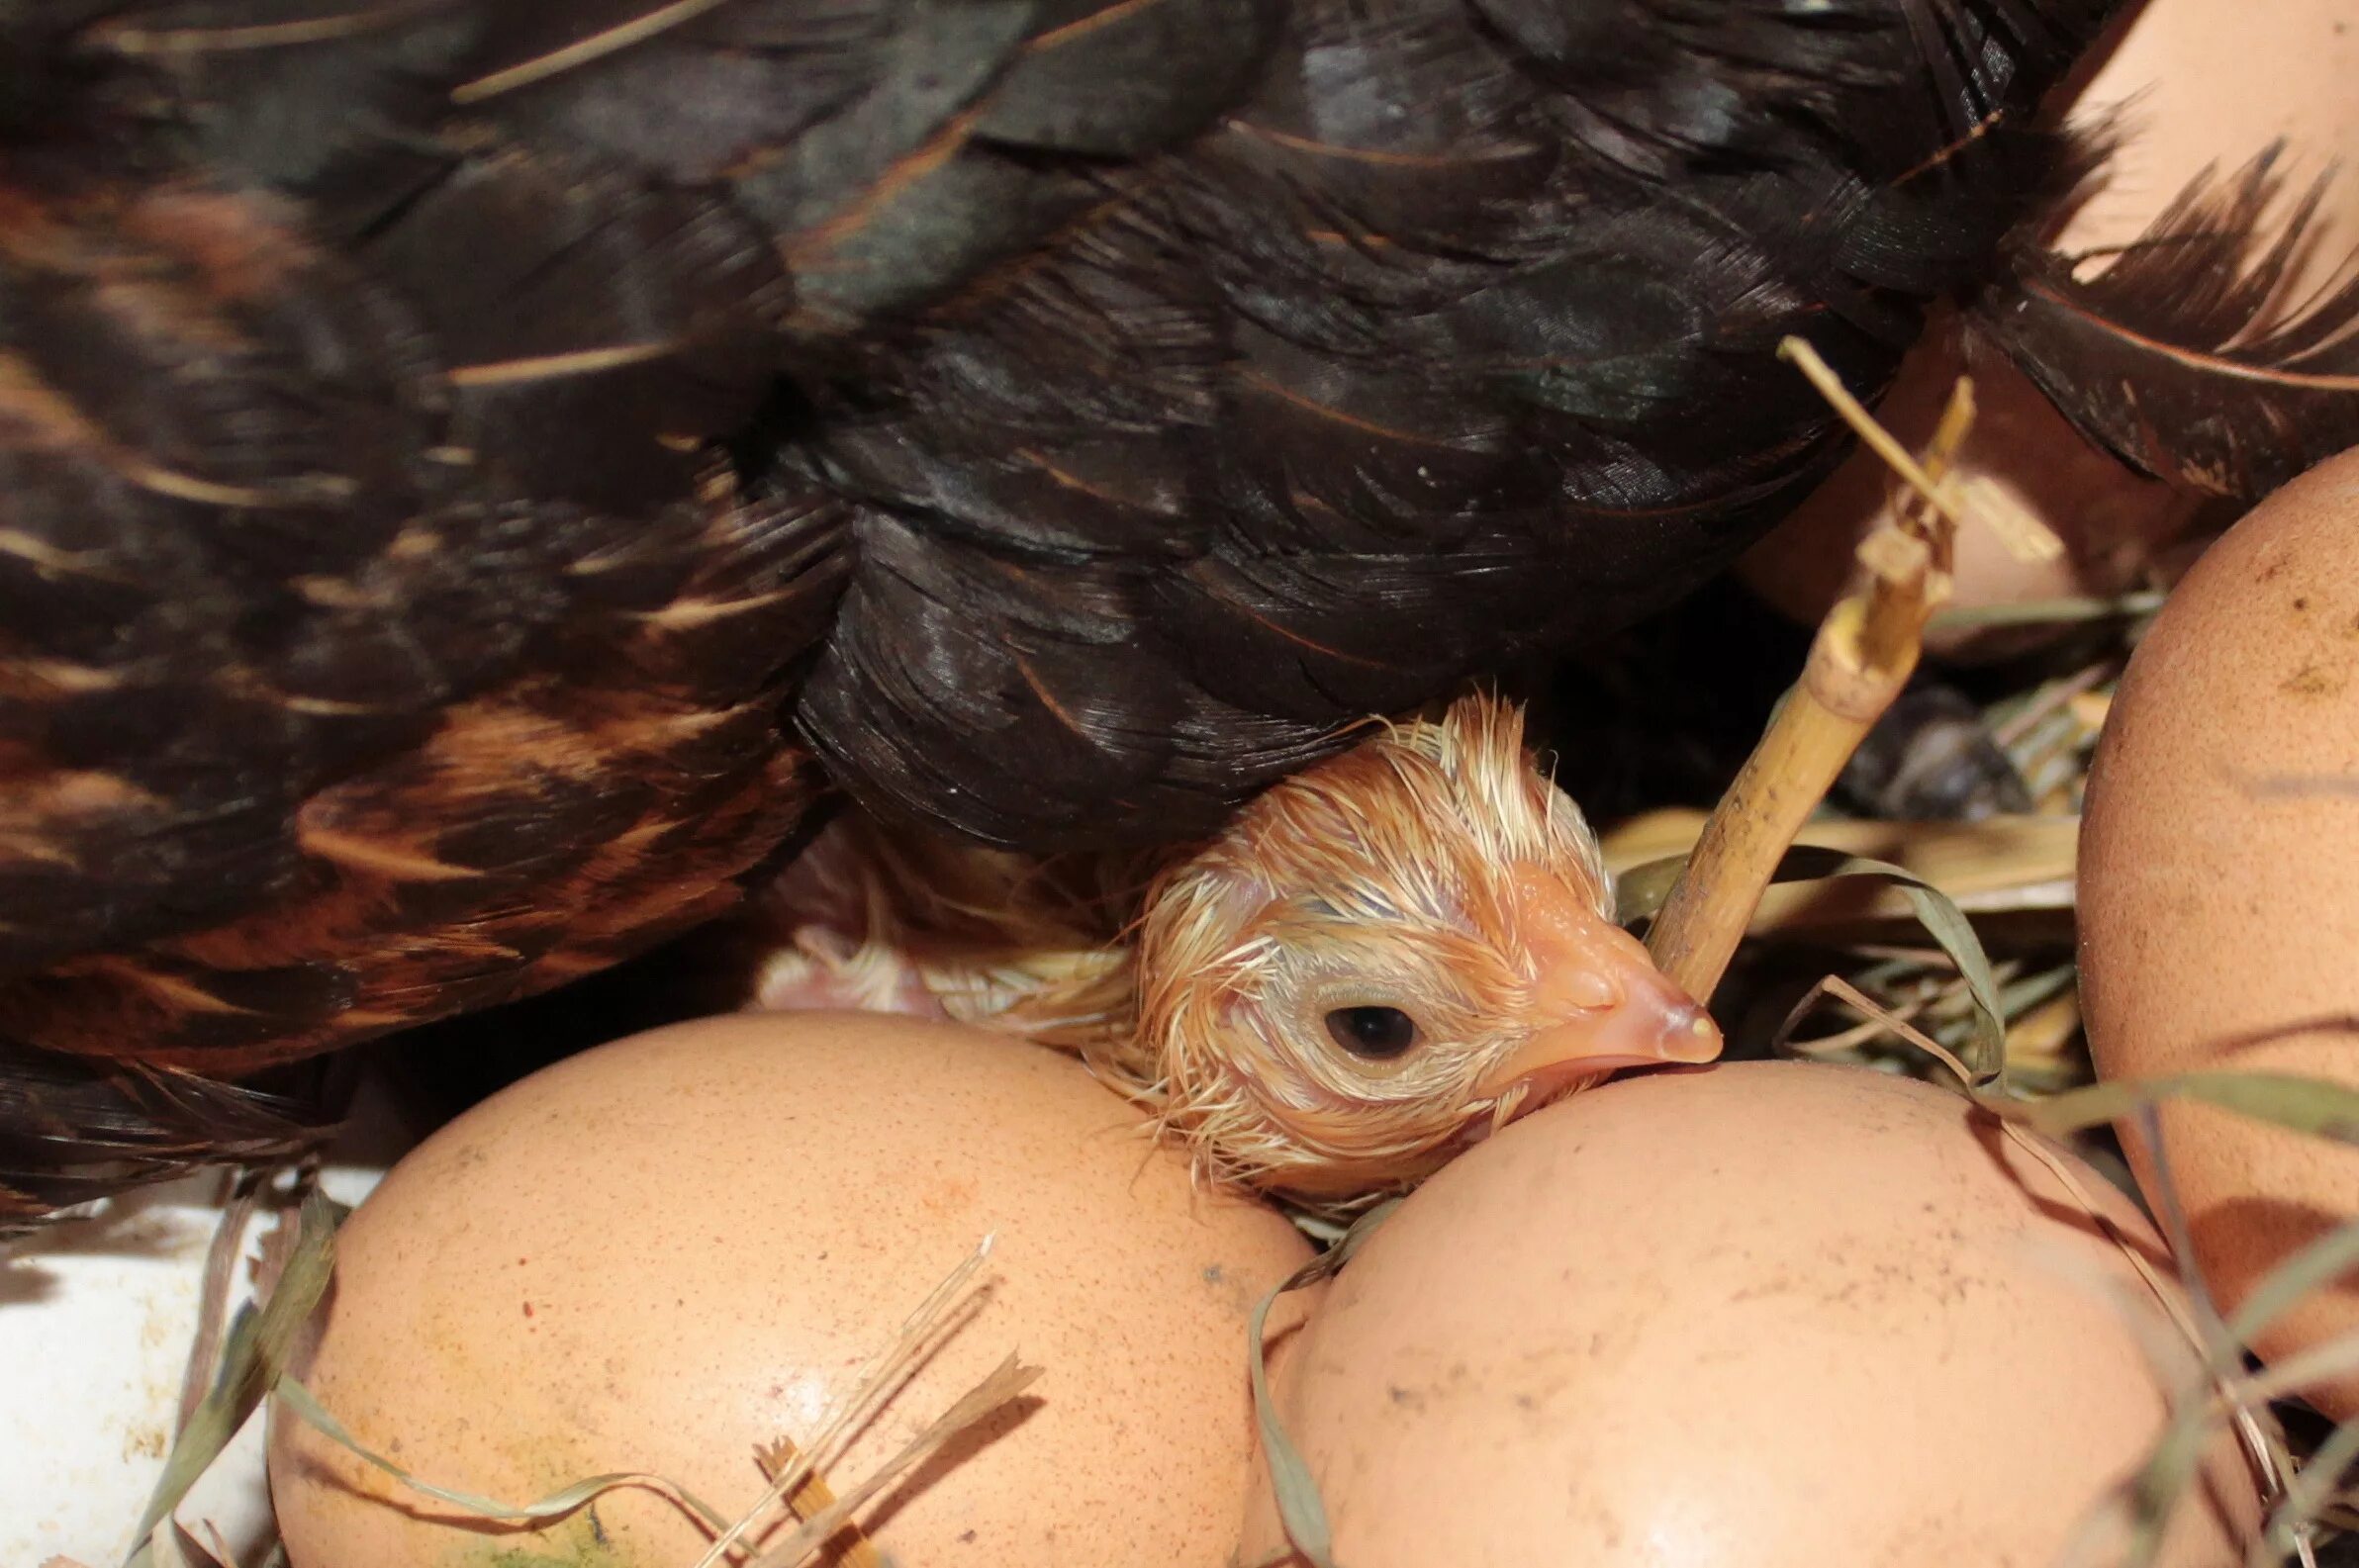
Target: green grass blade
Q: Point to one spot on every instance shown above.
(542, 1511)
(253, 1356)
(2303, 1105)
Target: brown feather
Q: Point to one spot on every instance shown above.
(74, 1129)
(2185, 353)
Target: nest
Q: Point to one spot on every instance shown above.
(1936, 945)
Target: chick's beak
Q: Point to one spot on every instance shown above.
(1602, 1002)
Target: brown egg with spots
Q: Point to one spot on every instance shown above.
(1767, 1315)
(660, 1255)
(2181, 85)
(2219, 885)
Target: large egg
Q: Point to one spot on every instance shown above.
(1764, 1316)
(2183, 84)
(665, 1253)
(2219, 880)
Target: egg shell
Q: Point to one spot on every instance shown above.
(2219, 884)
(661, 1253)
(1765, 1315)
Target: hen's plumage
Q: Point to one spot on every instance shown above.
(472, 473)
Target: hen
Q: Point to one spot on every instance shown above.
(474, 474)
(1396, 951)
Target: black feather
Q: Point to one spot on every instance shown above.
(1453, 341)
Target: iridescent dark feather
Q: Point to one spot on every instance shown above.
(1448, 344)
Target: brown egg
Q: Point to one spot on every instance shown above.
(663, 1253)
(1763, 1316)
(2188, 83)
(2219, 880)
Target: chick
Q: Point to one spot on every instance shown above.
(1377, 962)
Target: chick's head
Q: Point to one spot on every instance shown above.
(1389, 955)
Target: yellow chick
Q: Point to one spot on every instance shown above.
(1377, 962)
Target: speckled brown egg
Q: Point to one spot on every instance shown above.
(2220, 881)
(664, 1254)
(1764, 1315)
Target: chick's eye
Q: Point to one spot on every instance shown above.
(1377, 1033)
